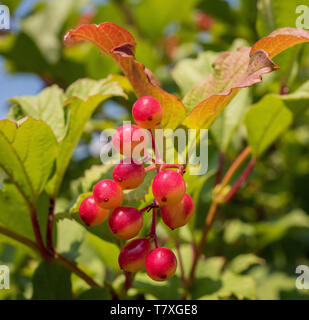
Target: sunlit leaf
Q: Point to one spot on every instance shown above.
(120, 45)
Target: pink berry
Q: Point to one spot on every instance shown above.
(147, 112)
(133, 255)
(130, 140)
(125, 222)
(108, 194)
(177, 215)
(168, 187)
(129, 175)
(161, 264)
(90, 213)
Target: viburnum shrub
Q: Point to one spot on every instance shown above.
(144, 211)
(125, 222)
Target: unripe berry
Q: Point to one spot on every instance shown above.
(147, 112)
(133, 255)
(90, 213)
(130, 140)
(161, 264)
(129, 175)
(168, 187)
(125, 222)
(177, 215)
(108, 194)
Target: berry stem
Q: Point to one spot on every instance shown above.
(153, 234)
(150, 206)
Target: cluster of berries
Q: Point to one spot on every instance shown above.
(125, 222)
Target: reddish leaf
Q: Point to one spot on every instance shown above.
(120, 45)
(235, 70)
(280, 40)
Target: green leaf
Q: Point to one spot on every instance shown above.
(47, 106)
(22, 157)
(168, 9)
(14, 213)
(230, 119)
(265, 121)
(95, 294)
(188, 72)
(84, 97)
(51, 282)
(107, 251)
(243, 261)
(44, 26)
(212, 282)
(141, 191)
(91, 177)
(102, 230)
(274, 14)
(297, 101)
(166, 290)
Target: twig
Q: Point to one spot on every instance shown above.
(243, 177)
(50, 225)
(38, 236)
(220, 168)
(20, 238)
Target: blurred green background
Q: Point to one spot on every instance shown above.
(178, 41)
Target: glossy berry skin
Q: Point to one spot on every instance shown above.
(129, 175)
(127, 137)
(133, 255)
(161, 264)
(177, 215)
(168, 187)
(147, 112)
(125, 222)
(108, 194)
(92, 214)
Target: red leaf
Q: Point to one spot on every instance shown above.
(120, 45)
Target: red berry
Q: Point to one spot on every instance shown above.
(90, 213)
(168, 187)
(108, 194)
(147, 112)
(129, 175)
(177, 215)
(161, 264)
(130, 140)
(125, 222)
(133, 255)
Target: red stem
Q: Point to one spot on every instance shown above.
(38, 237)
(243, 177)
(50, 225)
(220, 168)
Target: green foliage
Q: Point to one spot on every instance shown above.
(265, 121)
